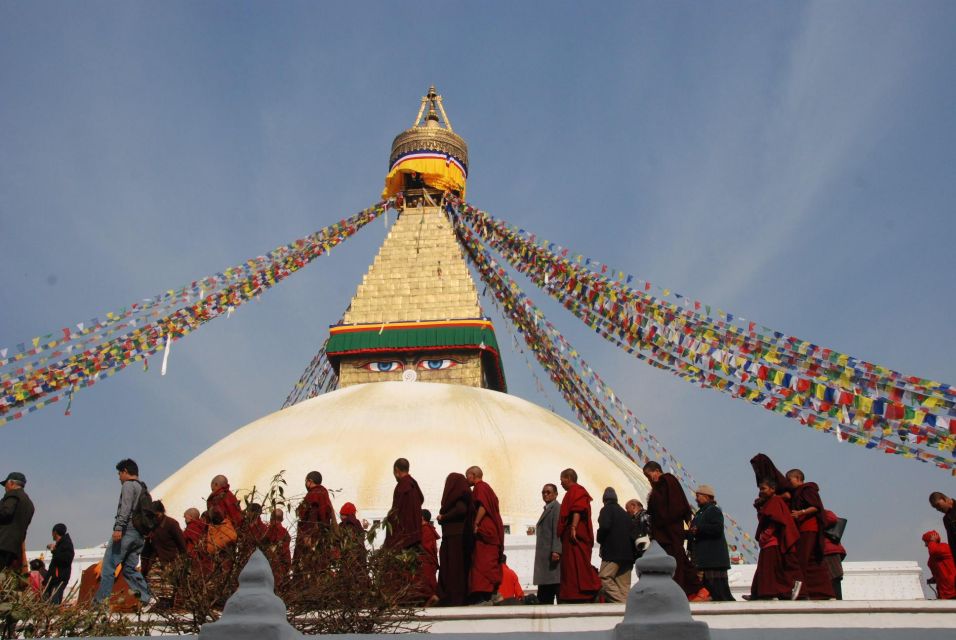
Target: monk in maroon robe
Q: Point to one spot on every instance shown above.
(255, 528)
(195, 536)
(354, 555)
(223, 500)
(669, 510)
(579, 578)
(765, 469)
(278, 547)
(428, 571)
(485, 574)
(777, 536)
(404, 519)
(316, 517)
(807, 510)
(195, 529)
(350, 522)
(457, 520)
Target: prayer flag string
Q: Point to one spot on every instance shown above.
(700, 352)
(94, 330)
(571, 374)
(777, 349)
(319, 377)
(743, 332)
(24, 391)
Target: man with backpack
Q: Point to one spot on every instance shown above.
(135, 518)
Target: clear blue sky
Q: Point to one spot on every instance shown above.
(789, 162)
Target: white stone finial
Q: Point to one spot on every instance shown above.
(254, 611)
(657, 607)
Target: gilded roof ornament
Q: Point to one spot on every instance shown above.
(431, 131)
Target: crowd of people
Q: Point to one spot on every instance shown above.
(800, 554)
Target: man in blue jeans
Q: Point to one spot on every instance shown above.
(127, 543)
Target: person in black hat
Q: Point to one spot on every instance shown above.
(16, 512)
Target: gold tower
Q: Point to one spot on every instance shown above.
(416, 314)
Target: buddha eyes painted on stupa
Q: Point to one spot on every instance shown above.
(437, 364)
(383, 366)
(427, 364)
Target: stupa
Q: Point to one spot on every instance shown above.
(420, 376)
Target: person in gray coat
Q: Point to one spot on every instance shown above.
(127, 542)
(547, 549)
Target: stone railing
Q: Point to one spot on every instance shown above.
(656, 609)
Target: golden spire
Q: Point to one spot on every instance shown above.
(416, 314)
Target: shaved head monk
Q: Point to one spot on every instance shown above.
(223, 500)
(946, 506)
(807, 510)
(194, 531)
(316, 517)
(484, 578)
(579, 578)
(278, 547)
(404, 519)
(669, 510)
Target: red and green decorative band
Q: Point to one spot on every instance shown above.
(468, 335)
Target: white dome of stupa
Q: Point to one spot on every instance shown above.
(353, 435)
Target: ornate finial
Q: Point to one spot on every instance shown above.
(434, 103)
(254, 611)
(430, 138)
(656, 606)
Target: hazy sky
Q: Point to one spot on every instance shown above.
(789, 162)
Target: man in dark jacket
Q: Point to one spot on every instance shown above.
(16, 512)
(61, 563)
(617, 548)
(709, 546)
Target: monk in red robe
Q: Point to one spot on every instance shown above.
(316, 517)
(255, 528)
(777, 536)
(350, 522)
(765, 469)
(807, 510)
(579, 578)
(278, 547)
(485, 574)
(669, 510)
(404, 520)
(223, 500)
(428, 571)
(457, 520)
(194, 532)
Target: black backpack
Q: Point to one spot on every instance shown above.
(144, 516)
